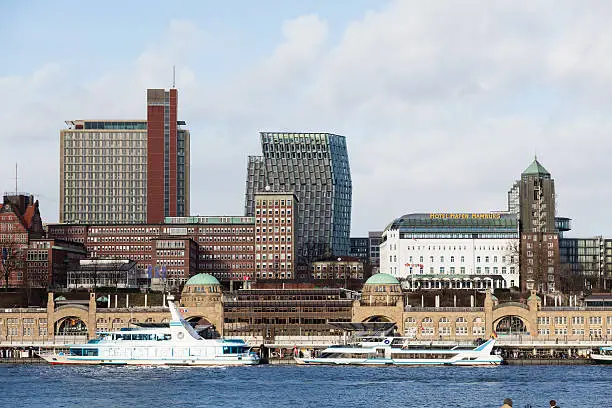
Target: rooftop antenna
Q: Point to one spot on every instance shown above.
(173, 76)
(16, 179)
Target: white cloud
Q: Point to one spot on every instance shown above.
(443, 104)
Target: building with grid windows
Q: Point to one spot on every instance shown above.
(275, 235)
(119, 172)
(455, 250)
(585, 261)
(315, 167)
(181, 246)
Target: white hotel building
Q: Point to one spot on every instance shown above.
(450, 250)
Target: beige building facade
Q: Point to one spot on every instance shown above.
(382, 300)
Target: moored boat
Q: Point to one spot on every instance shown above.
(177, 344)
(400, 351)
(604, 356)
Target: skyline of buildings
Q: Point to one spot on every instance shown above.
(298, 205)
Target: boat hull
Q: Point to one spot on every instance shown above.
(56, 359)
(388, 362)
(601, 358)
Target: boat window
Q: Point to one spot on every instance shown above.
(83, 352)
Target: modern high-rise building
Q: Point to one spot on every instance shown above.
(315, 167)
(514, 199)
(126, 171)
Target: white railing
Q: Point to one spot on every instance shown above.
(49, 342)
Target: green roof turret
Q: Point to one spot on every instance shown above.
(202, 279)
(382, 279)
(536, 169)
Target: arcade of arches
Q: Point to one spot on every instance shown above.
(311, 310)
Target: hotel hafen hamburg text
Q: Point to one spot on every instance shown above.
(452, 250)
(272, 316)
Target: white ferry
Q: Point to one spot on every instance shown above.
(399, 351)
(179, 344)
(604, 356)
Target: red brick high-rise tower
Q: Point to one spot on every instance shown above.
(167, 158)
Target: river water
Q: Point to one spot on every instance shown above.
(303, 386)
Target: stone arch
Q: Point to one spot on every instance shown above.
(71, 318)
(522, 313)
(198, 320)
(378, 318)
(203, 325)
(510, 325)
(70, 326)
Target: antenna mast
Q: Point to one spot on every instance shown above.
(16, 179)
(173, 76)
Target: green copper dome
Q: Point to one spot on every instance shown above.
(382, 279)
(202, 279)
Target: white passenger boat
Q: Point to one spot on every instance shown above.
(399, 351)
(178, 344)
(604, 356)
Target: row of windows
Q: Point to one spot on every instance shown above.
(487, 259)
(273, 212)
(26, 320)
(562, 320)
(575, 332)
(443, 320)
(26, 331)
(263, 203)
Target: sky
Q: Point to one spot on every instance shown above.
(443, 103)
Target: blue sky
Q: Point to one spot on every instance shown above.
(443, 103)
(97, 36)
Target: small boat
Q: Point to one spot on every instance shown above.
(175, 345)
(400, 351)
(604, 356)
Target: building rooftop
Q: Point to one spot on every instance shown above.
(455, 222)
(536, 169)
(202, 279)
(111, 124)
(382, 279)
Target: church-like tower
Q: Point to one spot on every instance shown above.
(539, 259)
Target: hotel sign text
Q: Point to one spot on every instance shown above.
(445, 216)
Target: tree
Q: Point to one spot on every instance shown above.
(11, 256)
(571, 281)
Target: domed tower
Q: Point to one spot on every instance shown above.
(381, 289)
(201, 302)
(201, 290)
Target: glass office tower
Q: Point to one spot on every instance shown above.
(315, 167)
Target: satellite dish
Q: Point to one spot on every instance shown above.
(267, 188)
